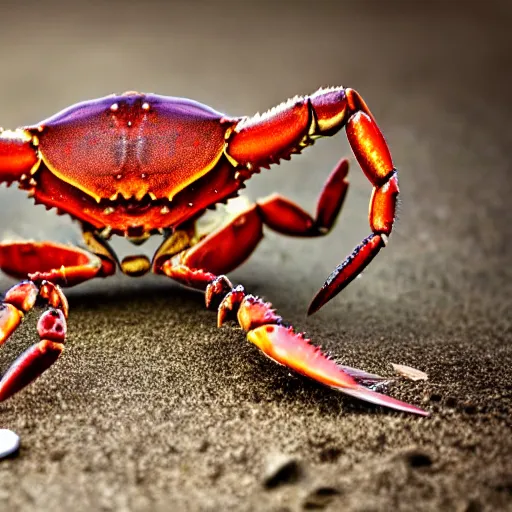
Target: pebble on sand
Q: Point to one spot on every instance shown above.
(281, 469)
(9, 442)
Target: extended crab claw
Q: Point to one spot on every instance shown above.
(283, 345)
(294, 351)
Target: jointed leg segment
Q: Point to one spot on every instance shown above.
(51, 328)
(47, 265)
(229, 246)
(372, 153)
(262, 140)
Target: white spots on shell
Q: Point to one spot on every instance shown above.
(114, 107)
(32, 182)
(109, 210)
(165, 210)
(9, 442)
(191, 204)
(40, 128)
(145, 106)
(238, 175)
(143, 175)
(129, 123)
(119, 176)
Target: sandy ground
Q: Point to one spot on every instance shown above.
(153, 407)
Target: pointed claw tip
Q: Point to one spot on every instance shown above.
(311, 310)
(366, 394)
(316, 304)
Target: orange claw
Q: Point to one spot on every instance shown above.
(292, 350)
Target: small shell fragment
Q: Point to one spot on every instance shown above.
(409, 372)
(9, 442)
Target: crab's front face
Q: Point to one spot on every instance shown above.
(120, 161)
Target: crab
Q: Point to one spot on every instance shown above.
(139, 165)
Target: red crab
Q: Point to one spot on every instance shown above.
(137, 165)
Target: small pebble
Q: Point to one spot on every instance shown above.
(9, 442)
(281, 469)
(320, 497)
(450, 402)
(417, 458)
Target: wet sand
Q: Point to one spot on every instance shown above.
(154, 408)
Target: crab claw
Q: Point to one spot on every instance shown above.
(290, 349)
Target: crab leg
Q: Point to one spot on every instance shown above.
(61, 264)
(287, 218)
(229, 246)
(47, 265)
(51, 328)
(282, 344)
(18, 156)
(263, 140)
(226, 248)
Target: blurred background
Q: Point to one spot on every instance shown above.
(437, 77)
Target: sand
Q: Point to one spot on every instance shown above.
(152, 407)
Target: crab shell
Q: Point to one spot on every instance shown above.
(135, 162)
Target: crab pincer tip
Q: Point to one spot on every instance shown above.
(322, 296)
(368, 395)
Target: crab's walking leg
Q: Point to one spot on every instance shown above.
(51, 328)
(263, 140)
(284, 216)
(224, 249)
(46, 265)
